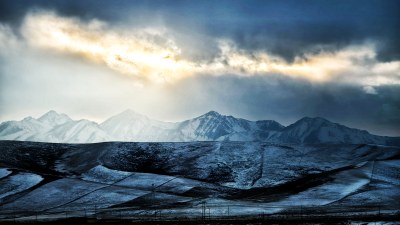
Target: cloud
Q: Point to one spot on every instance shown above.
(284, 28)
(8, 41)
(152, 54)
(146, 53)
(370, 90)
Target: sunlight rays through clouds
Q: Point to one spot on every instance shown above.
(152, 54)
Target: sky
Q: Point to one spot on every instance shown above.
(174, 60)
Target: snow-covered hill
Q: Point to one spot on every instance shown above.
(212, 126)
(48, 180)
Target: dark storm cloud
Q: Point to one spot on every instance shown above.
(290, 28)
(287, 100)
(285, 28)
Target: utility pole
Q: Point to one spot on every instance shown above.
(203, 210)
(301, 212)
(95, 211)
(152, 195)
(14, 215)
(379, 211)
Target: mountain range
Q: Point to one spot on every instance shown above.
(129, 126)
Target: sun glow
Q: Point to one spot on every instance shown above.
(152, 54)
(132, 54)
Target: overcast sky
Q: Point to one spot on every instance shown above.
(173, 60)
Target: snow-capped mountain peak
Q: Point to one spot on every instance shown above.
(129, 125)
(130, 114)
(314, 121)
(52, 118)
(214, 126)
(319, 130)
(211, 126)
(211, 114)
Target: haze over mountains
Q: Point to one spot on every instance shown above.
(212, 126)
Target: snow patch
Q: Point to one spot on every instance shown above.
(104, 175)
(4, 172)
(17, 183)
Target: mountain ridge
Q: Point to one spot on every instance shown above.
(212, 126)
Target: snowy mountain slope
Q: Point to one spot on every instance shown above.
(52, 119)
(53, 127)
(80, 131)
(319, 130)
(212, 126)
(30, 128)
(21, 130)
(249, 177)
(131, 126)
